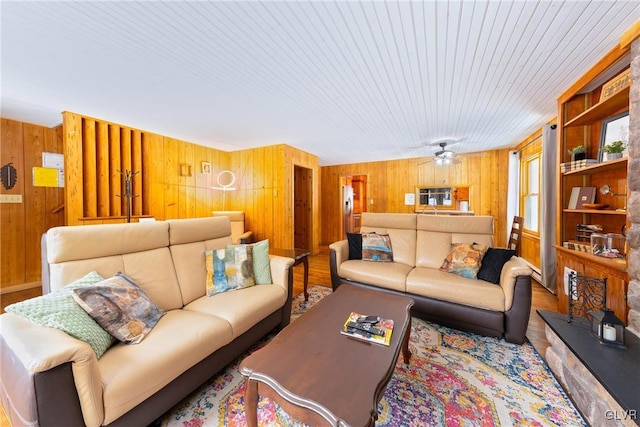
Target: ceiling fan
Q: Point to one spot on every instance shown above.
(444, 156)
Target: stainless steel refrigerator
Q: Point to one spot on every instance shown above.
(347, 210)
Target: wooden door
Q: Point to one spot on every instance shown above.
(302, 188)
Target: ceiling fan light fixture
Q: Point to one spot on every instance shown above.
(443, 160)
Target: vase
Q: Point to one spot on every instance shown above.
(611, 156)
(578, 156)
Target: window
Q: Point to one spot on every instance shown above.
(530, 202)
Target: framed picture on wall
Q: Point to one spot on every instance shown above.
(614, 128)
(205, 168)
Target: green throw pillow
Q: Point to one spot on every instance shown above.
(59, 310)
(261, 262)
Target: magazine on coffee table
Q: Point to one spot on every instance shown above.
(368, 328)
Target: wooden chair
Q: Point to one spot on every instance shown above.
(516, 234)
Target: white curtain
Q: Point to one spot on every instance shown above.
(513, 189)
(548, 207)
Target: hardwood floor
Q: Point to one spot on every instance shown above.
(319, 275)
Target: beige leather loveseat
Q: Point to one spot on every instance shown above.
(420, 243)
(49, 378)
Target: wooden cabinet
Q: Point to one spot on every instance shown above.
(580, 116)
(594, 266)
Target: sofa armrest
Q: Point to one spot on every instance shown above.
(338, 253)
(516, 319)
(280, 267)
(510, 272)
(246, 237)
(29, 352)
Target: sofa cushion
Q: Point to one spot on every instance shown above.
(242, 308)
(492, 264)
(59, 310)
(183, 231)
(189, 262)
(355, 245)
(181, 339)
(71, 243)
(400, 227)
(436, 233)
(444, 286)
(121, 307)
(391, 275)
(376, 247)
(464, 259)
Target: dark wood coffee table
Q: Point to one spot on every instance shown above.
(321, 377)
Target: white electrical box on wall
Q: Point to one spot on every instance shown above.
(565, 276)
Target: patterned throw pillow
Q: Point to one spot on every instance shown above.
(121, 307)
(59, 310)
(230, 268)
(464, 260)
(261, 263)
(376, 247)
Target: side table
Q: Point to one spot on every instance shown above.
(299, 256)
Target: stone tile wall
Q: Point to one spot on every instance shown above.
(595, 403)
(633, 189)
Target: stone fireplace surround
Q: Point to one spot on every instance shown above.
(592, 399)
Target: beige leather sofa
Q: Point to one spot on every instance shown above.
(49, 378)
(420, 243)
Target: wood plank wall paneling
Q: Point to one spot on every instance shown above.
(264, 179)
(265, 188)
(22, 224)
(388, 181)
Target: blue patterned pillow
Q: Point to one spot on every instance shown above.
(230, 268)
(121, 307)
(59, 310)
(376, 247)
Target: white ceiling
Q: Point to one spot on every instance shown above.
(349, 81)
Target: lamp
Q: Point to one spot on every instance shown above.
(607, 328)
(228, 185)
(224, 187)
(606, 190)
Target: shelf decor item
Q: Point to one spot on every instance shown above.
(578, 153)
(608, 245)
(613, 150)
(617, 83)
(607, 328)
(614, 129)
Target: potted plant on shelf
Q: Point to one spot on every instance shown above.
(578, 153)
(613, 150)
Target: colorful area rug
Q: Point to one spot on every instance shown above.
(454, 379)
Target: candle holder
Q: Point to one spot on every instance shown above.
(607, 328)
